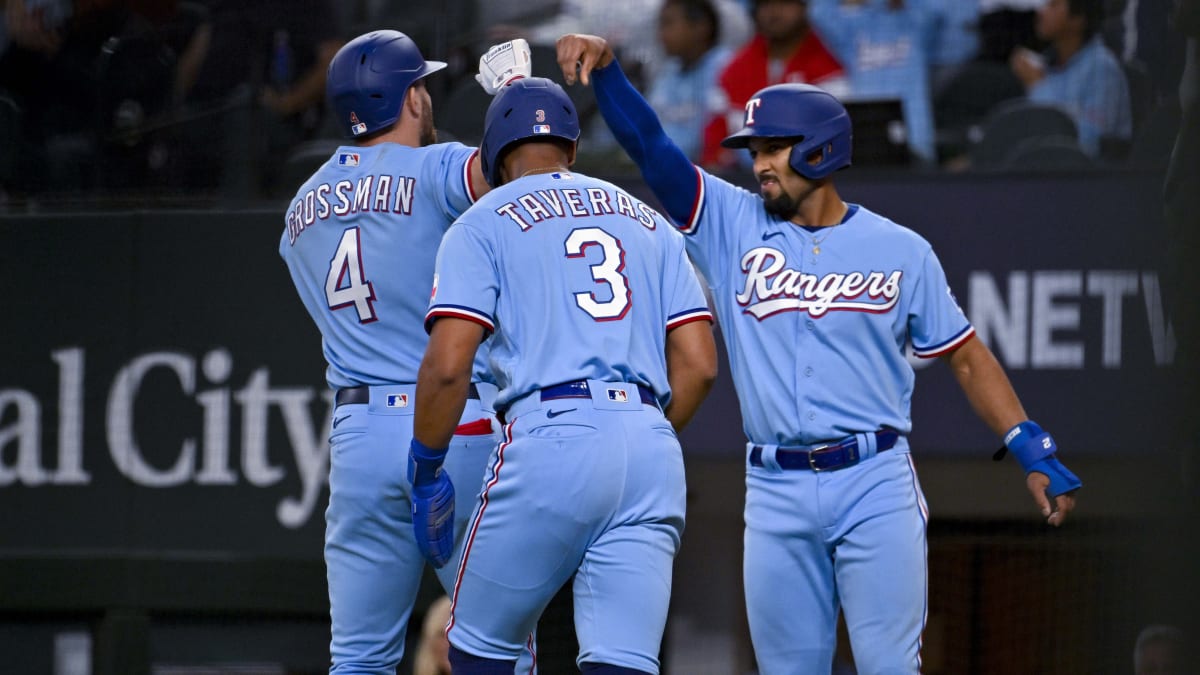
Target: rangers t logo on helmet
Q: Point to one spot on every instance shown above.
(750, 106)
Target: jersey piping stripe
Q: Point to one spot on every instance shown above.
(947, 346)
(467, 177)
(697, 206)
(458, 312)
(483, 504)
(924, 508)
(532, 649)
(688, 317)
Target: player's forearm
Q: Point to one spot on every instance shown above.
(691, 370)
(440, 404)
(444, 380)
(987, 387)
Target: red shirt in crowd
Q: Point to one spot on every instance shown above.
(747, 72)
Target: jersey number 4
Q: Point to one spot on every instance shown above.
(346, 285)
(607, 271)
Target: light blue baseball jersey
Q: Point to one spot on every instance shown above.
(815, 322)
(686, 99)
(1091, 87)
(816, 341)
(349, 233)
(886, 55)
(577, 280)
(595, 315)
(360, 242)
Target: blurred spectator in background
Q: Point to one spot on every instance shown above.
(250, 89)
(1077, 72)
(784, 49)
(684, 93)
(1005, 25)
(628, 25)
(631, 27)
(1160, 650)
(883, 44)
(954, 36)
(78, 80)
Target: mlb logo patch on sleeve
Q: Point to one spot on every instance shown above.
(348, 158)
(397, 400)
(618, 395)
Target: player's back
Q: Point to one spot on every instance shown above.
(587, 280)
(360, 242)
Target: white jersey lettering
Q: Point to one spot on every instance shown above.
(771, 288)
(540, 205)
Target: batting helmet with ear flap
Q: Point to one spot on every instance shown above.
(369, 77)
(810, 114)
(529, 108)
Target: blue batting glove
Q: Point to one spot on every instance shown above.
(432, 503)
(1035, 449)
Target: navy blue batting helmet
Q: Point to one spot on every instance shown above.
(802, 111)
(369, 77)
(532, 107)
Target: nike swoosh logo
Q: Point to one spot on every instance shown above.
(556, 413)
(340, 420)
(768, 235)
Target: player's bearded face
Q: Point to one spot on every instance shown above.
(782, 189)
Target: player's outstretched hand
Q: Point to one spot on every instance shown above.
(504, 63)
(432, 503)
(582, 53)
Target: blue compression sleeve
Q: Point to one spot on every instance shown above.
(667, 171)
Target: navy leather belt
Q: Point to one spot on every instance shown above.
(825, 457)
(362, 394)
(579, 389)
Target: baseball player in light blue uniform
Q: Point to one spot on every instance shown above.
(817, 299)
(360, 241)
(602, 347)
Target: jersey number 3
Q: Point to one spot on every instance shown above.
(607, 271)
(346, 285)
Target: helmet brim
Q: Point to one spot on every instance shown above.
(741, 139)
(430, 68)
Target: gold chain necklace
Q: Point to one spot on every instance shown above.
(817, 242)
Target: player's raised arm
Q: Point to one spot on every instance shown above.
(992, 397)
(665, 168)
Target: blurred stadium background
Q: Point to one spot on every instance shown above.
(163, 409)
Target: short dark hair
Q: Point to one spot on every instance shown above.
(1092, 12)
(701, 10)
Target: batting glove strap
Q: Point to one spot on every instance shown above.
(433, 519)
(424, 463)
(1029, 444)
(1061, 478)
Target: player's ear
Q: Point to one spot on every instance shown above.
(412, 103)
